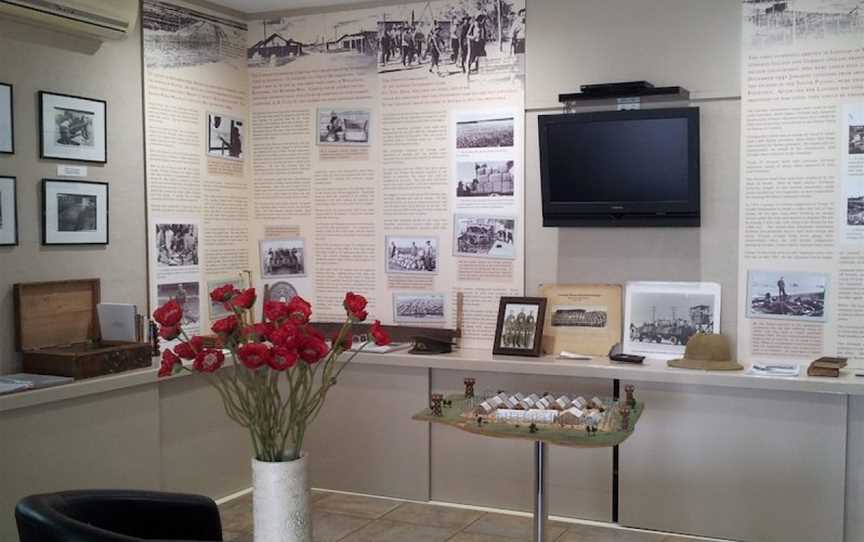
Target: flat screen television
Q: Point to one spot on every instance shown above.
(620, 168)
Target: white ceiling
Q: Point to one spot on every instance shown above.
(258, 6)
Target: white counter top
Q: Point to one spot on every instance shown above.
(482, 360)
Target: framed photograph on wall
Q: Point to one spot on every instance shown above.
(519, 331)
(8, 212)
(72, 128)
(7, 120)
(660, 317)
(74, 212)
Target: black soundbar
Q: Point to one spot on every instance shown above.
(626, 92)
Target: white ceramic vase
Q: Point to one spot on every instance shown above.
(281, 501)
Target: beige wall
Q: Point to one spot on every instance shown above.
(33, 59)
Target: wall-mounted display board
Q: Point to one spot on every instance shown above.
(802, 181)
(378, 150)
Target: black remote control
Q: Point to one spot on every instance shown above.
(627, 358)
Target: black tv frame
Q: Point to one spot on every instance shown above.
(623, 213)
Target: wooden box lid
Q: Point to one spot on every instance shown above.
(51, 314)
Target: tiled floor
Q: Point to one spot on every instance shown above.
(351, 518)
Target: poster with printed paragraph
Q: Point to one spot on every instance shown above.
(391, 141)
(802, 181)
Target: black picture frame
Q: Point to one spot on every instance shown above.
(14, 243)
(11, 118)
(45, 221)
(536, 341)
(45, 155)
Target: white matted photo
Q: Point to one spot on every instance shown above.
(660, 317)
(419, 307)
(484, 236)
(411, 254)
(187, 295)
(343, 126)
(283, 257)
(176, 244)
(8, 211)
(73, 128)
(217, 309)
(484, 178)
(74, 212)
(787, 295)
(225, 136)
(7, 119)
(484, 130)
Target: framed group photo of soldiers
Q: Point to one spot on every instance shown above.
(72, 128)
(519, 331)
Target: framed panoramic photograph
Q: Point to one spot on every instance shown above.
(8, 212)
(519, 331)
(7, 120)
(660, 317)
(74, 212)
(72, 128)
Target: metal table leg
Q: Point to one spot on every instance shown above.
(541, 499)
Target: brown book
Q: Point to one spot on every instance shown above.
(829, 362)
(823, 371)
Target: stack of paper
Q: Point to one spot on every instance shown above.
(775, 369)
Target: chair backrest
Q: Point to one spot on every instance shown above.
(50, 518)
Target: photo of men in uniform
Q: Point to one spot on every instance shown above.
(412, 254)
(176, 245)
(418, 307)
(283, 258)
(519, 327)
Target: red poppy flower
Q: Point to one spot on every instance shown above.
(242, 300)
(223, 293)
(299, 309)
(355, 305)
(169, 360)
(254, 355)
(185, 351)
(169, 314)
(225, 326)
(208, 360)
(275, 310)
(282, 359)
(259, 332)
(287, 335)
(312, 349)
(169, 333)
(197, 343)
(379, 335)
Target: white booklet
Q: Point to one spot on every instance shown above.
(117, 321)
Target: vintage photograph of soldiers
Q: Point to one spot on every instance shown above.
(788, 295)
(484, 131)
(484, 179)
(176, 245)
(421, 307)
(484, 236)
(283, 257)
(579, 316)
(519, 326)
(670, 318)
(855, 211)
(225, 137)
(73, 127)
(411, 254)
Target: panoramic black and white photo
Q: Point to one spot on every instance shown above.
(787, 295)
(7, 129)
(283, 257)
(519, 326)
(343, 126)
(782, 22)
(485, 236)
(187, 295)
(579, 316)
(176, 37)
(484, 179)
(176, 245)
(225, 136)
(669, 317)
(411, 254)
(76, 212)
(481, 131)
(418, 307)
(856, 140)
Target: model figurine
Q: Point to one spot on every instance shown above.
(469, 387)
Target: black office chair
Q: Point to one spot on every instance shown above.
(117, 516)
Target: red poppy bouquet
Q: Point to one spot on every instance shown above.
(276, 411)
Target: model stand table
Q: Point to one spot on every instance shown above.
(454, 411)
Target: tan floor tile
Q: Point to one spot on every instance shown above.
(590, 533)
(356, 505)
(433, 516)
(237, 516)
(329, 527)
(474, 537)
(384, 530)
(512, 527)
(317, 495)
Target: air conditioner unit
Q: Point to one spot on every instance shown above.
(101, 19)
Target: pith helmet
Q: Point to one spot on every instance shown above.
(708, 352)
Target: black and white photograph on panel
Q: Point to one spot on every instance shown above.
(787, 295)
(280, 290)
(177, 37)
(283, 257)
(484, 178)
(187, 295)
(411, 254)
(74, 212)
(661, 317)
(785, 22)
(8, 211)
(421, 307)
(579, 316)
(343, 126)
(484, 236)
(177, 245)
(73, 128)
(225, 136)
(855, 211)
(484, 130)
(7, 119)
(217, 308)
(856, 140)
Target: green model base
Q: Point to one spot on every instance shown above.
(552, 434)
